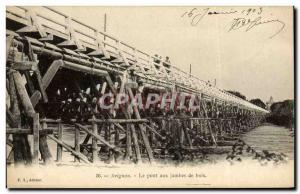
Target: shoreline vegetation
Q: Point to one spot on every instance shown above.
(282, 114)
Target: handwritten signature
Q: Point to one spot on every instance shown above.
(249, 24)
(245, 20)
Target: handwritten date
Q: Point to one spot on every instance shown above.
(244, 19)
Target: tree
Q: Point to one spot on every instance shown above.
(236, 93)
(258, 102)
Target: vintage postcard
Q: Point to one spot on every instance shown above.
(150, 97)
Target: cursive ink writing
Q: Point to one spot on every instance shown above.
(243, 18)
(196, 15)
(249, 24)
(222, 12)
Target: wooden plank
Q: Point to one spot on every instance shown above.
(67, 147)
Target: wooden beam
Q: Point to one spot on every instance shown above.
(52, 70)
(67, 147)
(154, 132)
(119, 120)
(99, 138)
(35, 98)
(24, 98)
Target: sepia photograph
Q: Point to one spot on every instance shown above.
(157, 97)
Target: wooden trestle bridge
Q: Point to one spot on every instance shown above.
(58, 67)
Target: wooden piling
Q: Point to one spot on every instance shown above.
(142, 129)
(136, 144)
(59, 147)
(44, 149)
(76, 142)
(36, 127)
(94, 142)
(128, 154)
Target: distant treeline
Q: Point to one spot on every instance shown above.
(282, 113)
(236, 93)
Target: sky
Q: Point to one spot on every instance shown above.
(257, 61)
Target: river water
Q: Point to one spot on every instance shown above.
(272, 138)
(266, 137)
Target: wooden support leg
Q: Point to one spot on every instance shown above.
(110, 128)
(187, 135)
(117, 139)
(128, 142)
(36, 127)
(40, 85)
(209, 125)
(16, 121)
(26, 150)
(44, 149)
(127, 115)
(142, 129)
(77, 145)
(94, 143)
(21, 90)
(181, 135)
(29, 82)
(136, 144)
(59, 147)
